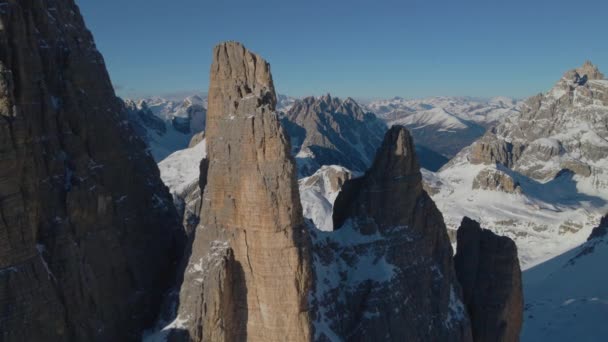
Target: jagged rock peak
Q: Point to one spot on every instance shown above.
(396, 165)
(488, 270)
(330, 103)
(251, 249)
(393, 255)
(330, 131)
(590, 70)
(237, 74)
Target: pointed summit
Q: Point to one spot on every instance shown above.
(396, 168)
(329, 131)
(591, 71)
(391, 249)
(250, 251)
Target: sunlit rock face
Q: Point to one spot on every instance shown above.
(248, 275)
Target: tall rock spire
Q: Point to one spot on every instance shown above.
(88, 234)
(386, 272)
(251, 242)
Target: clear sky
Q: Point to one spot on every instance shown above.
(362, 49)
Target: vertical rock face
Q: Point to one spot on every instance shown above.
(249, 271)
(386, 272)
(488, 270)
(87, 230)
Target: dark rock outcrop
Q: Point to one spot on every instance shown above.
(248, 276)
(88, 233)
(330, 131)
(599, 231)
(488, 270)
(386, 272)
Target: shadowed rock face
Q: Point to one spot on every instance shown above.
(599, 231)
(386, 272)
(88, 234)
(488, 270)
(330, 131)
(249, 273)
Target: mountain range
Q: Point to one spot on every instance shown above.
(543, 188)
(245, 215)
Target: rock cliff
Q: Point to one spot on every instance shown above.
(488, 270)
(88, 233)
(248, 275)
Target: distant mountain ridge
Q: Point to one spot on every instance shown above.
(327, 130)
(444, 125)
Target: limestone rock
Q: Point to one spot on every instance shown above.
(386, 271)
(251, 206)
(547, 133)
(488, 150)
(556, 148)
(492, 179)
(488, 270)
(330, 131)
(88, 235)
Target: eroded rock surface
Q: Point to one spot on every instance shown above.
(496, 180)
(566, 128)
(249, 272)
(488, 270)
(88, 233)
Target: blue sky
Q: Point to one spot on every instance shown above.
(362, 49)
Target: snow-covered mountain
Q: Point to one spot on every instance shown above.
(444, 124)
(167, 125)
(539, 177)
(567, 297)
(285, 102)
(485, 112)
(319, 192)
(180, 172)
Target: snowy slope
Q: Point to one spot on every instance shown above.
(181, 169)
(544, 219)
(555, 153)
(567, 297)
(167, 125)
(319, 191)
